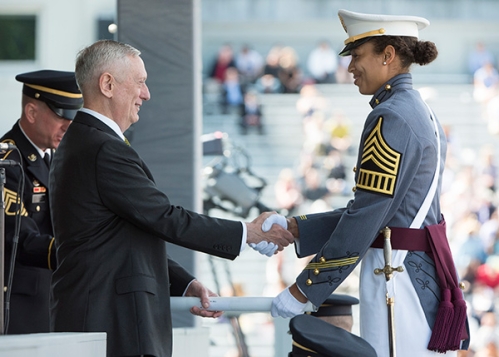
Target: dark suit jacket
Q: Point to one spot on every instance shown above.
(111, 223)
(29, 304)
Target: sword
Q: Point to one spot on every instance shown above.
(388, 270)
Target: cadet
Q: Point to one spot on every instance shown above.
(397, 185)
(50, 100)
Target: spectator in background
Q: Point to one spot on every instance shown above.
(486, 340)
(272, 61)
(333, 164)
(232, 90)
(314, 188)
(311, 100)
(269, 82)
(249, 63)
(251, 113)
(287, 191)
(485, 82)
(224, 60)
(478, 57)
(339, 129)
(290, 74)
(322, 63)
(486, 92)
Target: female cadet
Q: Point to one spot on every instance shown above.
(397, 185)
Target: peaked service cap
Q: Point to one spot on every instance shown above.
(361, 27)
(56, 88)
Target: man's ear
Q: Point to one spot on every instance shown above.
(106, 84)
(30, 111)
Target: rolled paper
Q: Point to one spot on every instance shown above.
(243, 304)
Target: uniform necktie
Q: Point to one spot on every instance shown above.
(46, 158)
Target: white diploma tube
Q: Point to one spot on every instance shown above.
(228, 304)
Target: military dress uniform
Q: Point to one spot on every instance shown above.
(35, 254)
(398, 150)
(397, 185)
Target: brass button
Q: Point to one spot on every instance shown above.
(355, 169)
(316, 271)
(377, 101)
(388, 87)
(322, 260)
(38, 208)
(354, 188)
(308, 282)
(462, 285)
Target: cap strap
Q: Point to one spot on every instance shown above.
(54, 91)
(302, 347)
(380, 31)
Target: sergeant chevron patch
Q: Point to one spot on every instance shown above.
(379, 164)
(11, 203)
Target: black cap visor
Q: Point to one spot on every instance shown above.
(346, 50)
(68, 114)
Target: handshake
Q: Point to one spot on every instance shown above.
(268, 233)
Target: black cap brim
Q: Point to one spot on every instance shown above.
(346, 50)
(64, 113)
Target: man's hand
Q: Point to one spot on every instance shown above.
(289, 303)
(264, 247)
(199, 290)
(276, 235)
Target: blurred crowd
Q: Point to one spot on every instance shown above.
(482, 67)
(236, 77)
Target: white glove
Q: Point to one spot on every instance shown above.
(264, 248)
(286, 305)
(269, 248)
(274, 218)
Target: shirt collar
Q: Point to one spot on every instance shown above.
(40, 151)
(109, 122)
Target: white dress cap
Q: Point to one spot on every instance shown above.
(360, 27)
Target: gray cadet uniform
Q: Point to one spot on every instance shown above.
(399, 148)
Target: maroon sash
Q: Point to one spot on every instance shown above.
(450, 323)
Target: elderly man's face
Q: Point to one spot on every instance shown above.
(130, 92)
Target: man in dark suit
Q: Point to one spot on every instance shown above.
(111, 221)
(49, 101)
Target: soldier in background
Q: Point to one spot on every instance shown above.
(49, 102)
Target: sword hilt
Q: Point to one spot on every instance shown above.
(388, 270)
